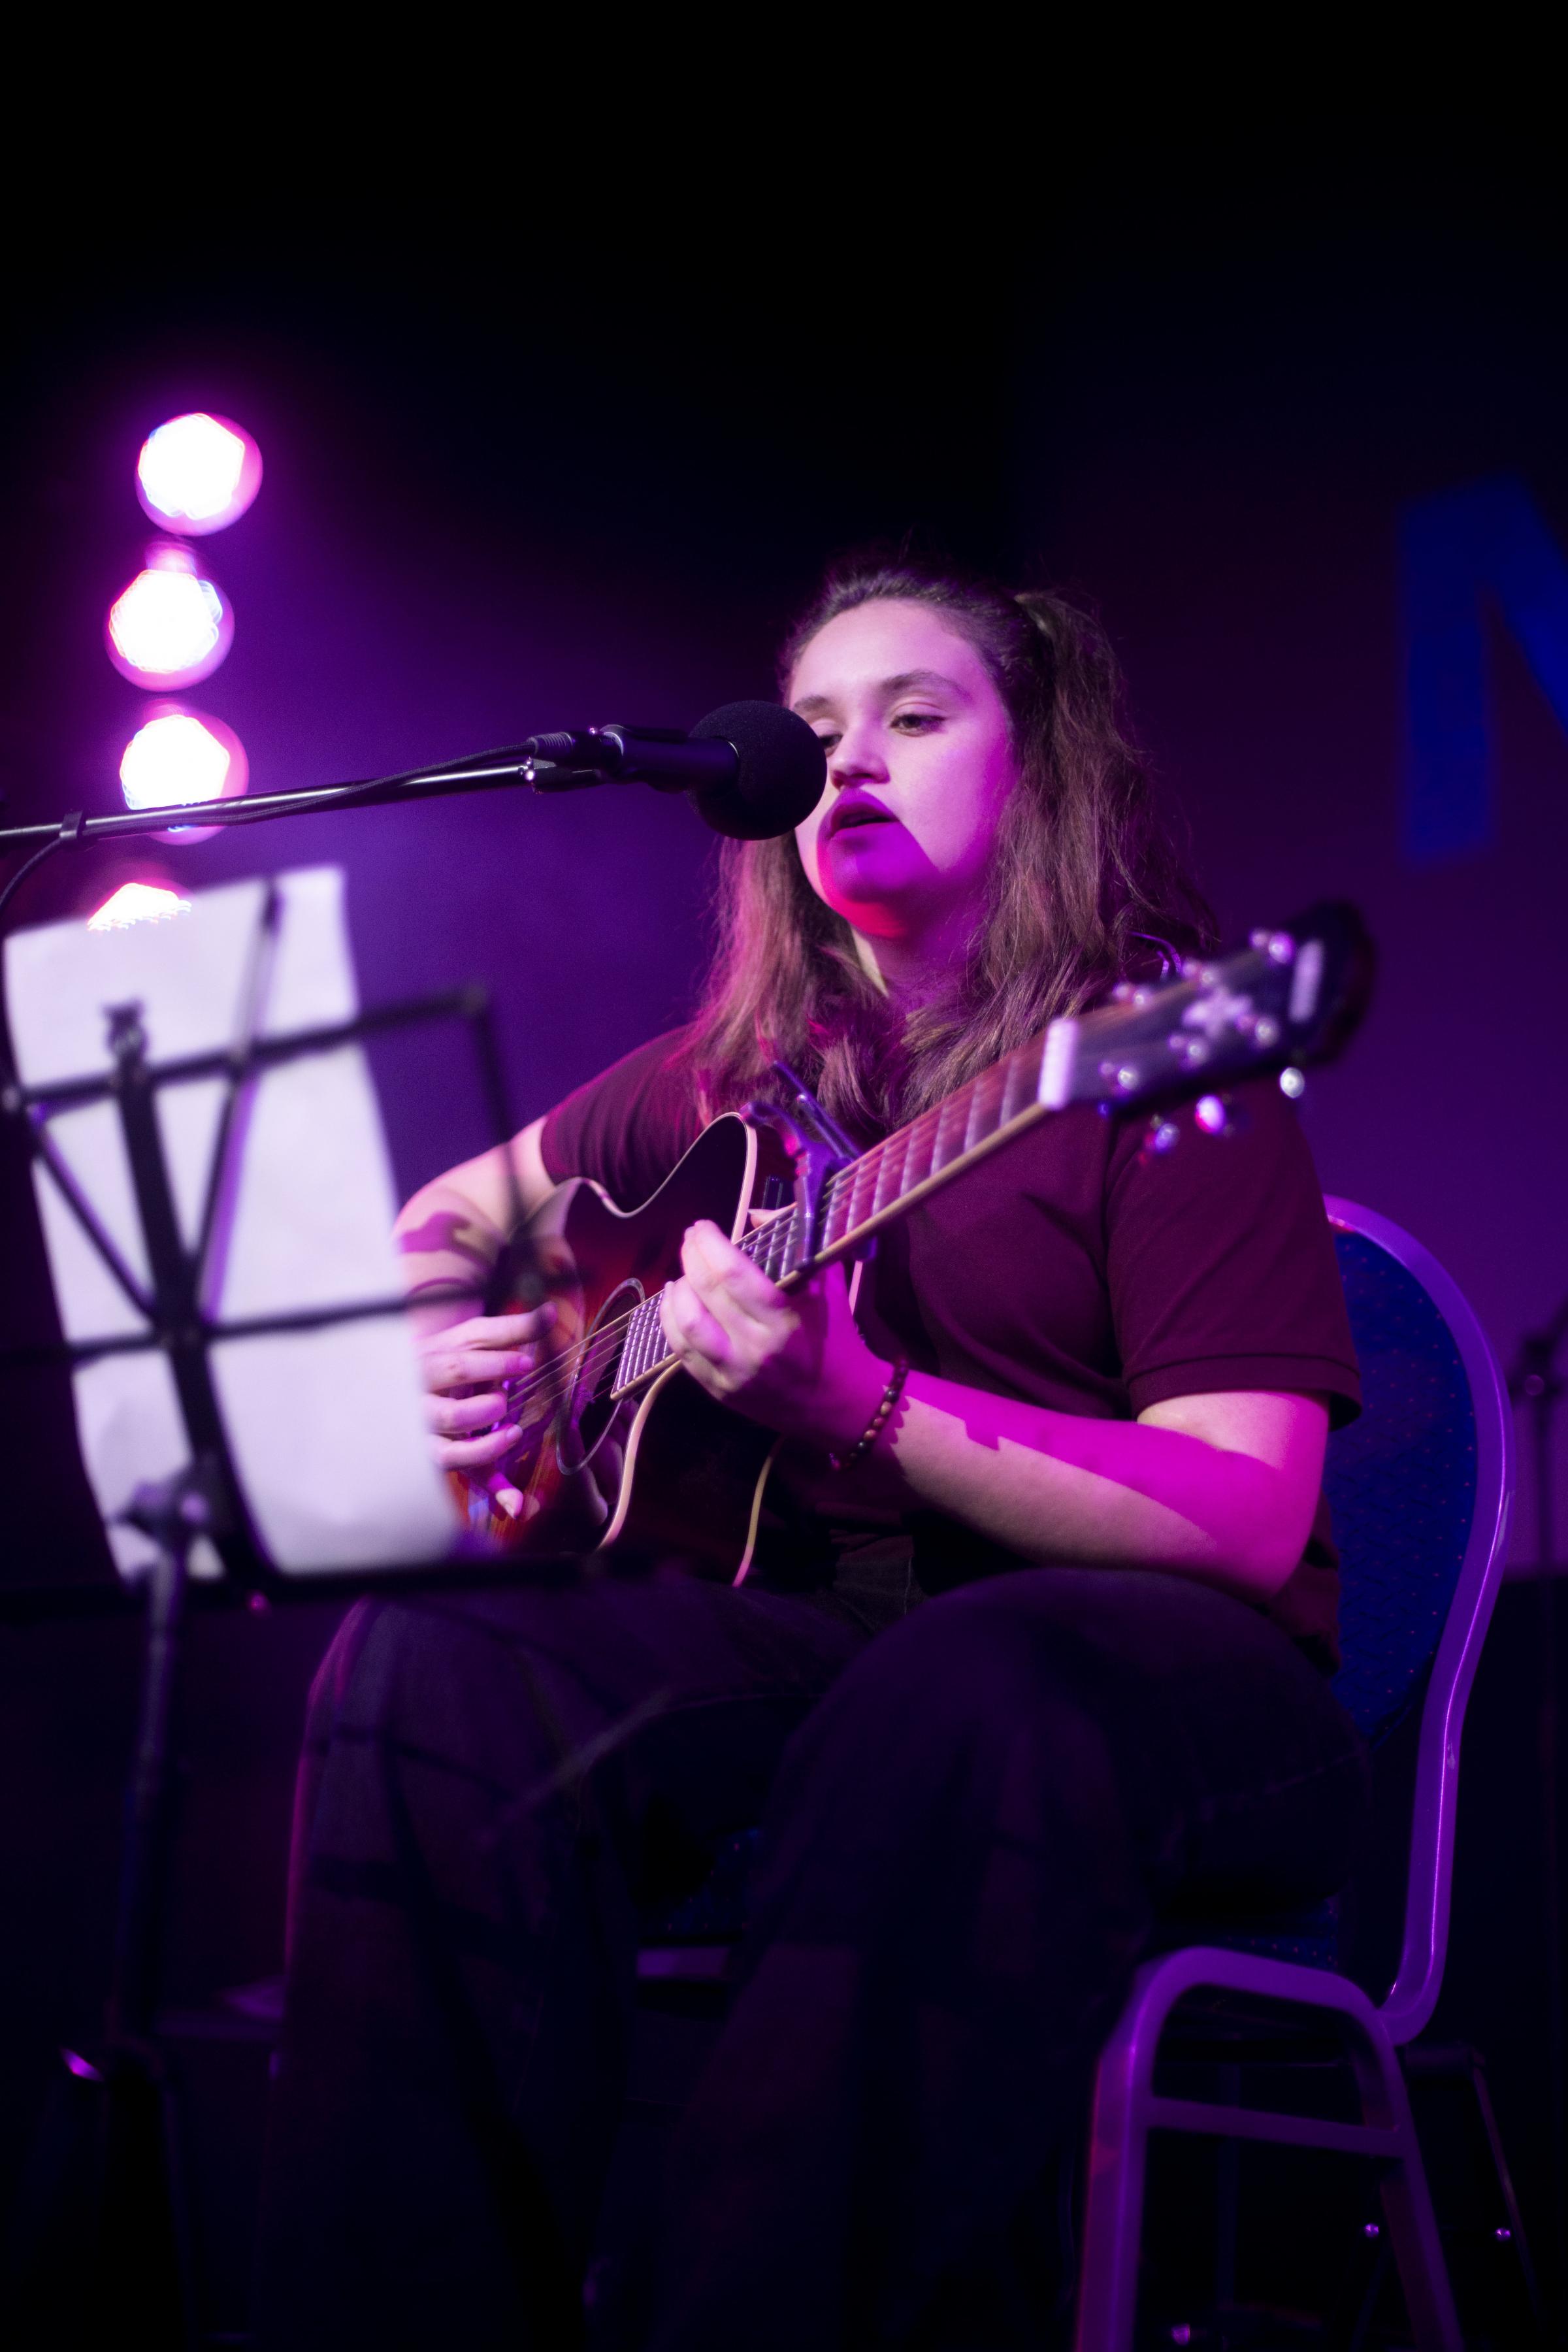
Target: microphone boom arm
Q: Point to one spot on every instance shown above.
(751, 769)
(486, 774)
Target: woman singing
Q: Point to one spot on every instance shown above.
(1058, 1676)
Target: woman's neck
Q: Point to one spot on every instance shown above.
(911, 967)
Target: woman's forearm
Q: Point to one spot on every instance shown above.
(1221, 1486)
(444, 1243)
(451, 1231)
(1059, 1486)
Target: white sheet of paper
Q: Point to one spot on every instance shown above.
(326, 1428)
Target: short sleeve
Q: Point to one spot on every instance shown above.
(1221, 1266)
(627, 1127)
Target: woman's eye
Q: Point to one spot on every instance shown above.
(917, 722)
(826, 737)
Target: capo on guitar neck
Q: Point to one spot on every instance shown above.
(807, 1112)
(818, 1146)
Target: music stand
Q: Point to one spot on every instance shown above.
(160, 1249)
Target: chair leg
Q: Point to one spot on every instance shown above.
(1126, 2108)
(1113, 2204)
(1475, 2075)
(1406, 2199)
(1464, 2068)
(1227, 2196)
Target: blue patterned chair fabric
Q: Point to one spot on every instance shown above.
(1400, 1484)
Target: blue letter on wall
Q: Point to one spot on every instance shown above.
(1484, 541)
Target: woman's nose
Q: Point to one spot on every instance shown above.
(856, 759)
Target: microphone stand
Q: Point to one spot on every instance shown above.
(1535, 1381)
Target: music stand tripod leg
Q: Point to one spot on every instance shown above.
(145, 2258)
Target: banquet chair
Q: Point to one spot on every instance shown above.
(1419, 1487)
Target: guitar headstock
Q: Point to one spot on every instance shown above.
(1291, 999)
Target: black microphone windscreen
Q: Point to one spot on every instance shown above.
(780, 779)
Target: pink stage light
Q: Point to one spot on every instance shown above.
(197, 473)
(178, 758)
(137, 902)
(170, 626)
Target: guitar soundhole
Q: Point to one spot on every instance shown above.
(591, 1411)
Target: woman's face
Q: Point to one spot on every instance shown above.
(919, 766)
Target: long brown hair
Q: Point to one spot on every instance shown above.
(1085, 883)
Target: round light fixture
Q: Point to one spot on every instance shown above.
(177, 757)
(170, 626)
(197, 473)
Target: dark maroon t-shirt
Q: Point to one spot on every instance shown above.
(1075, 1268)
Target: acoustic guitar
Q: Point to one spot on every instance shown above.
(619, 1446)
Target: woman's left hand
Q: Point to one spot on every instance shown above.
(795, 1360)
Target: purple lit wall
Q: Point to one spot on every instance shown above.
(1229, 486)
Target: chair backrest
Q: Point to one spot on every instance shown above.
(1420, 1488)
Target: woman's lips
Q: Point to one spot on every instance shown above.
(847, 815)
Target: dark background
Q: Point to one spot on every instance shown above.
(534, 461)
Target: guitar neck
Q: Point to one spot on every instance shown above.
(1289, 996)
(931, 1151)
(868, 1193)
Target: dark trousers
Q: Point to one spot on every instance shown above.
(974, 1823)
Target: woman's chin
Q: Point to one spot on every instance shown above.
(879, 916)
(866, 883)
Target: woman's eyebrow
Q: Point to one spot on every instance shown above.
(813, 705)
(908, 679)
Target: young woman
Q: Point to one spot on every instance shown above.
(1058, 1676)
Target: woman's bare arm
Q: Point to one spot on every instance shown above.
(1221, 1488)
(452, 1229)
(451, 1232)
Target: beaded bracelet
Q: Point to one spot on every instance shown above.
(878, 1421)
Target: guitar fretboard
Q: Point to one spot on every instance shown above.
(872, 1190)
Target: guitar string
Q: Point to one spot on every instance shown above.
(755, 1245)
(562, 1372)
(555, 1381)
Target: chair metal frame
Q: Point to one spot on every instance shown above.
(1126, 2105)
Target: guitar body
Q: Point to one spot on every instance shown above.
(665, 1472)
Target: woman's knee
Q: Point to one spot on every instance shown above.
(975, 1683)
(412, 1679)
(1014, 1639)
(1088, 1675)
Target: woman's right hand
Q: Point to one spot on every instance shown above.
(470, 1370)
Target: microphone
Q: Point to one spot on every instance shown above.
(751, 770)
